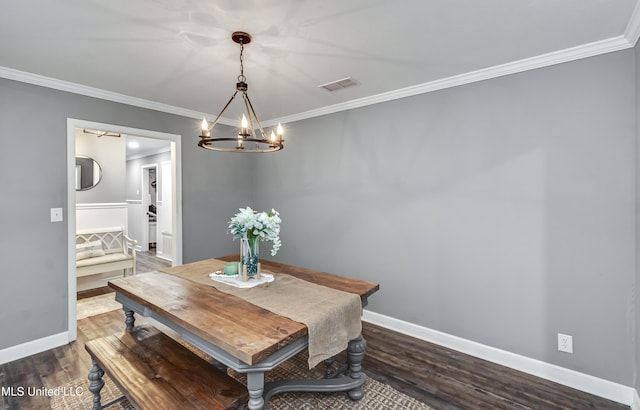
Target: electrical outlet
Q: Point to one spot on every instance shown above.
(565, 343)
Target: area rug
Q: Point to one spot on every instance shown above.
(96, 305)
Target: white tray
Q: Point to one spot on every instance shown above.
(234, 280)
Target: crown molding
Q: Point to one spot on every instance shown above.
(35, 79)
(544, 60)
(632, 32)
(628, 40)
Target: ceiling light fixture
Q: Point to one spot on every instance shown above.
(101, 133)
(251, 137)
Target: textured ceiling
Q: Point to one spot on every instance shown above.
(180, 53)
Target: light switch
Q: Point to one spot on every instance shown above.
(56, 214)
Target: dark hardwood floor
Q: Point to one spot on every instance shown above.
(147, 261)
(442, 378)
(450, 380)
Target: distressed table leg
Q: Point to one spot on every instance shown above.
(129, 320)
(95, 384)
(355, 355)
(255, 385)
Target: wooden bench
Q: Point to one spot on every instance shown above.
(155, 372)
(115, 251)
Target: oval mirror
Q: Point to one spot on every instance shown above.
(88, 173)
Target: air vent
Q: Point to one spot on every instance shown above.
(338, 84)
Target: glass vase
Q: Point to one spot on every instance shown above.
(249, 255)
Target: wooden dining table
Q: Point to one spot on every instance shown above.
(236, 333)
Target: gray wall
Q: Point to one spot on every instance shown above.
(34, 250)
(501, 212)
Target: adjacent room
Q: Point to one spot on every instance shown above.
(341, 204)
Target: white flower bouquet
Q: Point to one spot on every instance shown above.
(257, 226)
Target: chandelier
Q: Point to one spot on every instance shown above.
(251, 136)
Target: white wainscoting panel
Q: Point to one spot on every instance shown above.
(101, 215)
(135, 216)
(165, 246)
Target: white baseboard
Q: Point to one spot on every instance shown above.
(580, 381)
(166, 258)
(35, 346)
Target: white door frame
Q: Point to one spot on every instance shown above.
(176, 177)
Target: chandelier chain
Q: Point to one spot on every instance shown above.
(241, 77)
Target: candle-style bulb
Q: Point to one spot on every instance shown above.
(273, 137)
(279, 130)
(205, 127)
(244, 123)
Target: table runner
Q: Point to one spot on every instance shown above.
(332, 316)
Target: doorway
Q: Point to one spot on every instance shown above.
(149, 218)
(175, 216)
